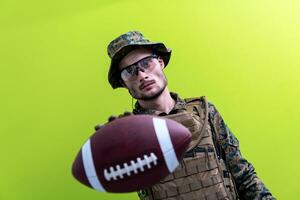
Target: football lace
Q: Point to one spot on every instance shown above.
(140, 164)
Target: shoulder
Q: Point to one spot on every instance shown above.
(225, 135)
(213, 111)
(204, 103)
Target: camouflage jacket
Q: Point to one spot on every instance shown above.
(248, 185)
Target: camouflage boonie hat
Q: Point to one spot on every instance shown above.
(125, 43)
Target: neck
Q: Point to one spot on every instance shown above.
(163, 102)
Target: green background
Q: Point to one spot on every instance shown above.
(243, 55)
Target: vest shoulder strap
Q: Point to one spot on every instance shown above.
(201, 104)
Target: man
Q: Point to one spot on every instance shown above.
(213, 167)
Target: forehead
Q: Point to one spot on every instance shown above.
(134, 56)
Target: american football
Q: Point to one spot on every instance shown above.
(131, 153)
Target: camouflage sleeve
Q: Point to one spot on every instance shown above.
(248, 185)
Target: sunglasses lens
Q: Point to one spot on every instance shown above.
(130, 72)
(144, 64)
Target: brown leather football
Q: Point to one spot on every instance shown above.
(131, 153)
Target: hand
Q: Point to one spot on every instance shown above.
(111, 118)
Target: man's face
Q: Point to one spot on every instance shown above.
(145, 84)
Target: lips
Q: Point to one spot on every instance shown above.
(146, 84)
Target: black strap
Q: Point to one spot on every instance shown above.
(219, 150)
(221, 153)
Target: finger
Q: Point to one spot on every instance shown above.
(98, 126)
(111, 118)
(127, 113)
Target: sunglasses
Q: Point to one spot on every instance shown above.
(145, 65)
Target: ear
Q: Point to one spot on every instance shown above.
(161, 62)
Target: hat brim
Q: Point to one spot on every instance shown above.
(113, 74)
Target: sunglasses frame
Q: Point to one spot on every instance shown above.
(136, 64)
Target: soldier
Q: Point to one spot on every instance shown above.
(213, 167)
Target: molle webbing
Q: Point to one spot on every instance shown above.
(191, 118)
(200, 175)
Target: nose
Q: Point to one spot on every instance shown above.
(141, 74)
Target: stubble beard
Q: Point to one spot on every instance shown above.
(137, 96)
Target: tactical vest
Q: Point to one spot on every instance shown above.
(202, 174)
